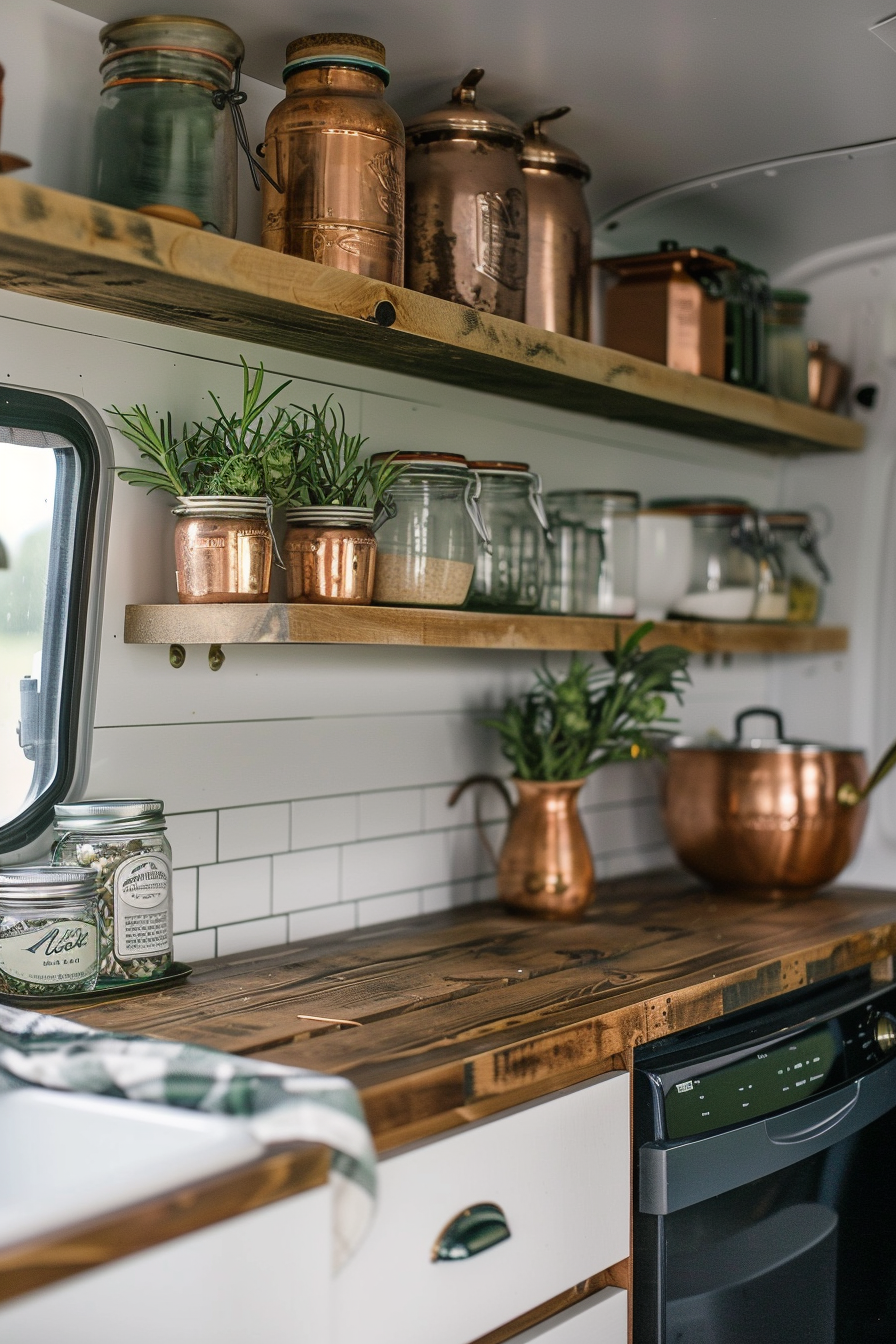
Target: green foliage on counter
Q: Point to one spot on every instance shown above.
(566, 727)
(329, 467)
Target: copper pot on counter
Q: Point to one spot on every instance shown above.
(466, 205)
(558, 279)
(767, 815)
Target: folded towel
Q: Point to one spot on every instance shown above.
(277, 1103)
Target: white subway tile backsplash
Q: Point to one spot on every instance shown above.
(231, 892)
(324, 821)
(193, 837)
(375, 867)
(184, 891)
(316, 923)
(245, 832)
(307, 878)
(467, 855)
(198, 946)
(447, 897)
(253, 933)
(379, 909)
(437, 815)
(392, 812)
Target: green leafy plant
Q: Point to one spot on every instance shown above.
(565, 728)
(329, 467)
(245, 453)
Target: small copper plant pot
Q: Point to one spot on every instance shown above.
(330, 555)
(545, 867)
(222, 549)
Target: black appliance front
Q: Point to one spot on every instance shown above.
(765, 1175)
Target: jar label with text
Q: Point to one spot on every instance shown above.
(58, 953)
(142, 913)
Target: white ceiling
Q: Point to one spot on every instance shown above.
(661, 90)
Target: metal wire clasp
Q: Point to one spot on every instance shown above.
(234, 99)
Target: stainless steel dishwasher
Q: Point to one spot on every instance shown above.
(765, 1174)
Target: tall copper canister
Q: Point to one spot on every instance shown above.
(337, 149)
(466, 211)
(558, 281)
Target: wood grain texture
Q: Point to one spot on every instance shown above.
(46, 1259)
(617, 1276)
(466, 1012)
(78, 251)
(299, 623)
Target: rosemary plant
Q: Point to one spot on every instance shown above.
(245, 453)
(329, 467)
(565, 728)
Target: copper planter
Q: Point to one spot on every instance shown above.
(330, 556)
(222, 549)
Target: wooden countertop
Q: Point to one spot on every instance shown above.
(445, 1018)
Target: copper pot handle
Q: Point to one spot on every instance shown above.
(758, 709)
(849, 796)
(480, 829)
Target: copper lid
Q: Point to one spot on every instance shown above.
(453, 459)
(539, 151)
(465, 116)
(336, 49)
(788, 518)
(696, 508)
(173, 30)
(670, 257)
(498, 466)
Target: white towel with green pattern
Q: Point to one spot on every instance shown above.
(278, 1104)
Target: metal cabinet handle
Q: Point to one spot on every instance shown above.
(474, 1230)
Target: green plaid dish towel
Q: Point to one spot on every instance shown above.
(278, 1104)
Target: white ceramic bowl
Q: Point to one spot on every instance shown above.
(665, 552)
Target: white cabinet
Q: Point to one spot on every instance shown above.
(263, 1275)
(602, 1319)
(559, 1171)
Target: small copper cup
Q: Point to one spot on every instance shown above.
(330, 555)
(222, 549)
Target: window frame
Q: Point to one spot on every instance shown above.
(25, 408)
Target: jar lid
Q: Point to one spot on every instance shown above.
(608, 496)
(352, 49)
(464, 115)
(202, 36)
(669, 260)
(220, 506)
(47, 881)
(424, 459)
(539, 151)
(111, 814)
(697, 507)
(330, 515)
(789, 518)
(498, 466)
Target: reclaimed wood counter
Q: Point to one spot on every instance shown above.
(442, 1019)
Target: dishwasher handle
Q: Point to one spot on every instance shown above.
(814, 1118)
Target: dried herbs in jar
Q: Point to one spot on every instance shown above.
(49, 931)
(123, 841)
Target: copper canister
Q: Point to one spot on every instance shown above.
(9, 163)
(222, 549)
(668, 306)
(337, 149)
(466, 209)
(330, 555)
(559, 274)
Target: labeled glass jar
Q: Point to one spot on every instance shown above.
(724, 568)
(426, 553)
(510, 573)
(123, 841)
(786, 348)
(49, 931)
(603, 550)
(164, 134)
(793, 537)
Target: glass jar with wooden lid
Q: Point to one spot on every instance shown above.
(724, 568)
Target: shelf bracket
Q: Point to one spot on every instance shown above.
(215, 657)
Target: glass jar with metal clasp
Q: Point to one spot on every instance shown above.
(426, 552)
(794, 539)
(593, 558)
(510, 573)
(724, 567)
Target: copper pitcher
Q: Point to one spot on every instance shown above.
(545, 867)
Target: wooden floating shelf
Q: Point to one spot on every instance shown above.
(64, 247)
(294, 623)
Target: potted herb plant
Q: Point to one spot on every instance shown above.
(556, 735)
(225, 473)
(330, 548)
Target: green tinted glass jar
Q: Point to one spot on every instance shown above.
(123, 841)
(786, 348)
(49, 931)
(510, 572)
(160, 139)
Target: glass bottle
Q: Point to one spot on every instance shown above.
(795, 540)
(593, 564)
(787, 353)
(160, 138)
(49, 931)
(510, 573)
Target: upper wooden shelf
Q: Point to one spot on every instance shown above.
(300, 623)
(79, 251)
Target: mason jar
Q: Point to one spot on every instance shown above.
(426, 552)
(724, 568)
(123, 841)
(596, 537)
(49, 931)
(161, 136)
(510, 573)
(793, 536)
(786, 348)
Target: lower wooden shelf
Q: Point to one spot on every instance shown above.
(296, 623)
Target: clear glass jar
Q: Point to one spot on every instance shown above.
(160, 137)
(794, 539)
(510, 573)
(49, 931)
(786, 349)
(123, 841)
(771, 583)
(724, 569)
(426, 552)
(593, 563)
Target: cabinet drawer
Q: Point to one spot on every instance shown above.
(558, 1170)
(602, 1319)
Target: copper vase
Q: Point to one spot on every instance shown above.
(222, 549)
(545, 867)
(330, 555)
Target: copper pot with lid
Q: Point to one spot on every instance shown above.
(767, 814)
(466, 218)
(559, 271)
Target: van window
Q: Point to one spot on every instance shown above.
(48, 480)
